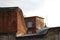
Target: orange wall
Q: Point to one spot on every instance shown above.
(20, 24)
(11, 20)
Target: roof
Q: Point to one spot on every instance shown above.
(35, 17)
(9, 8)
(41, 32)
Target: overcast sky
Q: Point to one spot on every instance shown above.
(49, 9)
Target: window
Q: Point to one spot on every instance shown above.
(29, 24)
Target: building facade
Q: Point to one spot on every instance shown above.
(11, 23)
(34, 24)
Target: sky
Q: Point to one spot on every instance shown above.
(48, 9)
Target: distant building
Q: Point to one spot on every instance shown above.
(34, 24)
(11, 23)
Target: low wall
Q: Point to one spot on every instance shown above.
(7, 36)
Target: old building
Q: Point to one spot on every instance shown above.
(44, 34)
(11, 23)
(34, 24)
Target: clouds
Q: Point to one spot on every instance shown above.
(26, 5)
(53, 12)
(43, 8)
(9, 3)
(31, 4)
(49, 9)
(36, 1)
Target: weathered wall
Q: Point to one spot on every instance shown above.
(33, 20)
(8, 20)
(11, 21)
(21, 28)
(53, 34)
(39, 23)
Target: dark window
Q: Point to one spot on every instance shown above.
(29, 24)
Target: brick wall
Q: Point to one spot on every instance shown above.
(11, 20)
(37, 23)
(33, 20)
